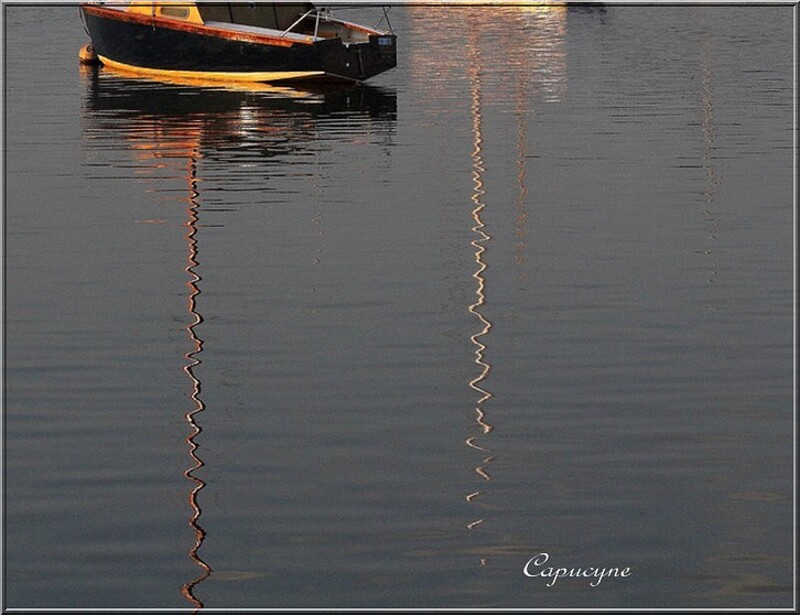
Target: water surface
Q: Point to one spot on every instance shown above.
(529, 292)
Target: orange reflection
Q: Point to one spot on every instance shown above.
(528, 41)
(165, 128)
(193, 361)
(163, 145)
(243, 86)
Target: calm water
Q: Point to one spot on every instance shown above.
(530, 292)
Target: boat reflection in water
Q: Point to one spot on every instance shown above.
(219, 114)
(171, 129)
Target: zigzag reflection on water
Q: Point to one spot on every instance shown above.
(481, 238)
(541, 75)
(172, 127)
(193, 360)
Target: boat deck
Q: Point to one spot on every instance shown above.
(235, 27)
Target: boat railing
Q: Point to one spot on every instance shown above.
(318, 13)
(325, 14)
(377, 26)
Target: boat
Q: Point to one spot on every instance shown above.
(254, 42)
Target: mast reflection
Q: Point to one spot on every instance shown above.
(174, 126)
(536, 70)
(481, 237)
(193, 360)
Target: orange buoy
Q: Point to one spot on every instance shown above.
(88, 56)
